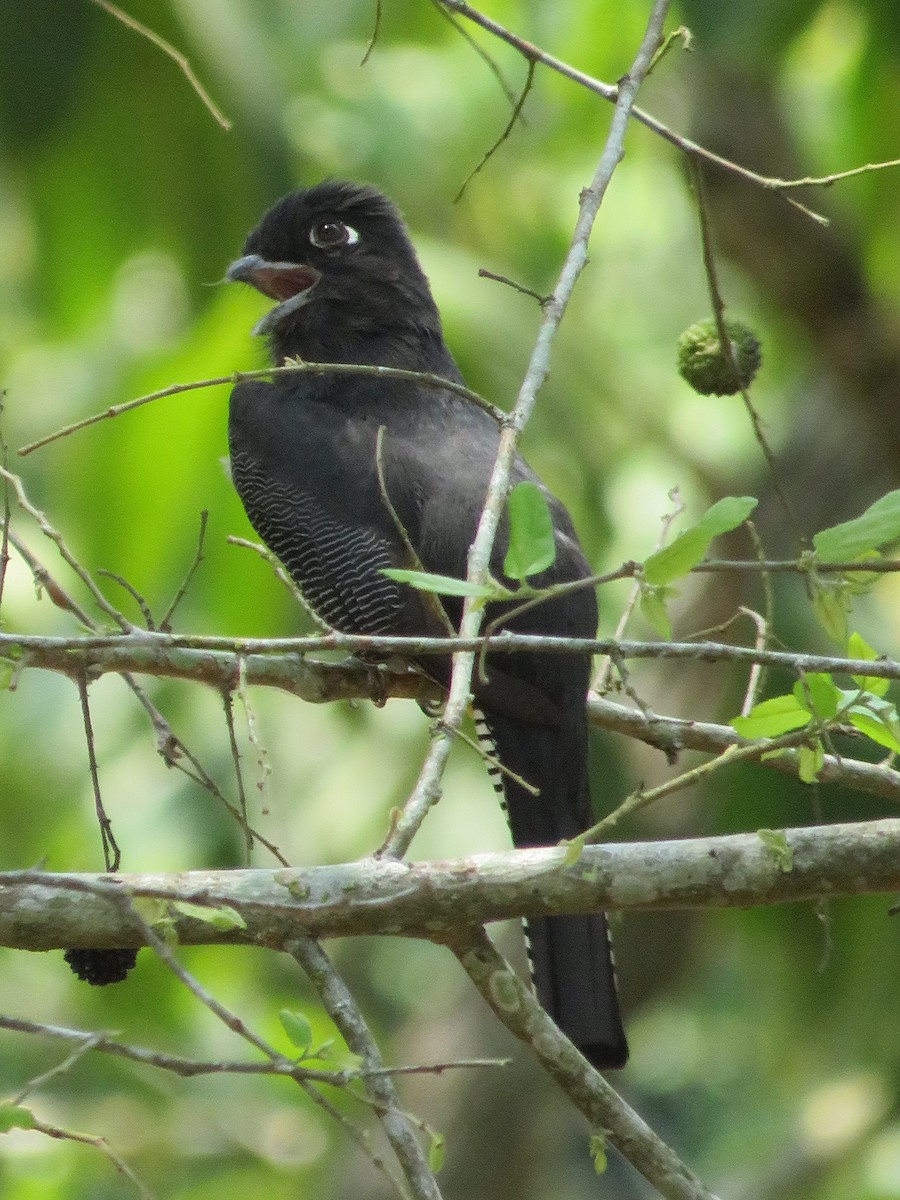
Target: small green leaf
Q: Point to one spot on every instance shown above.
(832, 607)
(574, 847)
(810, 760)
(15, 1116)
(444, 585)
(597, 1149)
(688, 549)
(726, 514)
(878, 720)
(223, 917)
(297, 1027)
(860, 582)
(7, 671)
(858, 647)
(817, 693)
(437, 1149)
(771, 718)
(532, 545)
(653, 606)
(678, 558)
(878, 525)
(775, 841)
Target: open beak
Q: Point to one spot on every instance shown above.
(289, 283)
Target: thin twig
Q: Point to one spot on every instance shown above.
(693, 149)
(169, 746)
(342, 1008)
(228, 706)
(165, 622)
(376, 29)
(112, 855)
(262, 754)
(747, 752)
(189, 1068)
(428, 786)
(601, 682)
(486, 58)
(726, 347)
(429, 599)
(427, 379)
(177, 57)
(755, 677)
(282, 575)
(65, 553)
(132, 591)
(484, 273)
(214, 660)
(510, 125)
(86, 1043)
(99, 1143)
(7, 514)
(673, 735)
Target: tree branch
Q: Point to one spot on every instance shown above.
(610, 1117)
(342, 1008)
(431, 900)
(428, 786)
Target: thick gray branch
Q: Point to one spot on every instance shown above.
(516, 1006)
(430, 900)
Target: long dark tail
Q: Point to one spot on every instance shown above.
(571, 956)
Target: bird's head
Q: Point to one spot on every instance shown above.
(338, 260)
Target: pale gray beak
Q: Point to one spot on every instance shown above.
(290, 283)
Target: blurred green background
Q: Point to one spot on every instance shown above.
(765, 1044)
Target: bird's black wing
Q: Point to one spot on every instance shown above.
(308, 481)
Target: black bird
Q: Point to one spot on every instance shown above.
(338, 260)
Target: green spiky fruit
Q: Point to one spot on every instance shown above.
(702, 364)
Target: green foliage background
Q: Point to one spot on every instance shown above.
(765, 1044)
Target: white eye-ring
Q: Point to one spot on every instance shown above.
(329, 235)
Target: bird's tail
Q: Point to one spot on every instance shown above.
(571, 956)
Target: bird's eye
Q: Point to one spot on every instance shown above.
(328, 235)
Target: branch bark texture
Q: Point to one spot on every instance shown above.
(434, 900)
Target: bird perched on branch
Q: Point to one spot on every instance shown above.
(345, 475)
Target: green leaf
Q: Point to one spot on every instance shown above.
(858, 647)
(444, 585)
(532, 546)
(775, 841)
(817, 693)
(15, 1116)
(858, 583)
(297, 1027)
(223, 917)
(878, 525)
(437, 1149)
(726, 514)
(772, 717)
(810, 760)
(574, 847)
(878, 720)
(689, 548)
(832, 607)
(7, 670)
(597, 1148)
(678, 558)
(653, 606)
